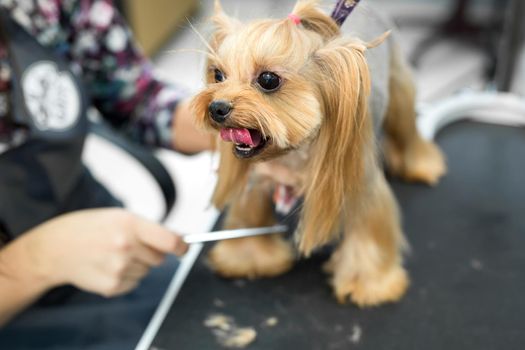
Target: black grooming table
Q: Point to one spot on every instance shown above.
(467, 268)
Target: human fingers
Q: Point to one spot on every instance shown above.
(159, 238)
(136, 271)
(148, 256)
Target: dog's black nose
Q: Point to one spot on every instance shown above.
(220, 110)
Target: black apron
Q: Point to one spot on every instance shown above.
(44, 176)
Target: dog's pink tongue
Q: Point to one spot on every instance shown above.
(248, 137)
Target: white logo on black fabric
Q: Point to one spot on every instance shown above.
(51, 96)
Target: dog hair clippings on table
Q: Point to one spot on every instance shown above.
(343, 9)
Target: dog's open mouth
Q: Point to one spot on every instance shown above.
(248, 142)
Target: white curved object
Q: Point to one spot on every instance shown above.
(488, 107)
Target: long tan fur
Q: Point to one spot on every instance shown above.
(319, 141)
(314, 20)
(337, 166)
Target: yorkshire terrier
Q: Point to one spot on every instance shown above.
(299, 109)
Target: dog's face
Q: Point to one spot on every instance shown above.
(261, 94)
(276, 85)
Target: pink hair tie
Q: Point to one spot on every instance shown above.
(294, 18)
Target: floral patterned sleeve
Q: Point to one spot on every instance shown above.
(93, 36)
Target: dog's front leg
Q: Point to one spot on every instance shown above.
(367, 265)
(252, 257)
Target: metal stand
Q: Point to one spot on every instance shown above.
(510, 44)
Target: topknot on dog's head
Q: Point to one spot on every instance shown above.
(312, 18)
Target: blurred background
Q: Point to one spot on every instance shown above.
(454, 46)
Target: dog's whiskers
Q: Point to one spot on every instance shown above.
(190, 50)
(212, 53)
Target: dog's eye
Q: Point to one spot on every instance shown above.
(219, 76)
(269, 81)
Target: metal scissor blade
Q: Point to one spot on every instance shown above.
(230, 234)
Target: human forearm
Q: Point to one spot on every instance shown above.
(21, 283)
(103, 251)
(187, 138)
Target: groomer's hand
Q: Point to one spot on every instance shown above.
(187, 138)
(105, 251)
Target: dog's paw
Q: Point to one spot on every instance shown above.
(366, 291)
(251, 257)
(425, 164)
(420, 162)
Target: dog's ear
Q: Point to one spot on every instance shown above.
(339, 154)
(232, 176)
(312, 18)
(223, 24)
